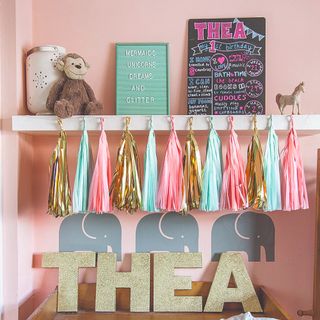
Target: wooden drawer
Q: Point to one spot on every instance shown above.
(47, 310)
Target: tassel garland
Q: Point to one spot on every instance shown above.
(182, 185)
(149, 192)
(271, 167)
(256, 185)
(234, 191)
(294, 190)
(192, 171)
(59, 200)
(99, 199)
(171, 190)
(125, 188)
(212, 173)
(82, 178)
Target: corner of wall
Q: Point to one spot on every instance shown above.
(15, 35)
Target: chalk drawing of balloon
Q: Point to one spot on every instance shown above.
(219, 62)
(192, 71)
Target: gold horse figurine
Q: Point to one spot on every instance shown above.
(290, 100)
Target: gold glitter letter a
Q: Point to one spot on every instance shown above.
(232, 263)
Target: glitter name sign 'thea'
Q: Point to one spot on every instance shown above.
(164, 281)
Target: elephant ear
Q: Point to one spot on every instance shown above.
(252, 225)
(94, 225)
(85, 226)
(245, 225)
(173, 225)
(168, 225)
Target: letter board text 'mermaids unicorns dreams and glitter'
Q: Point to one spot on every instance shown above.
(226, 66)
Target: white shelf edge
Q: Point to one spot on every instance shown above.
(26, 123)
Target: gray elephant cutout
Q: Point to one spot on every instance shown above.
(247, 232)
(167, 232)
(91, 232)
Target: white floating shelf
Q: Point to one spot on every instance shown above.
(47, 123)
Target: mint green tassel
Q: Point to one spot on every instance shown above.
(212, 173)
(83, 176)
(272, 171)
(149, 192)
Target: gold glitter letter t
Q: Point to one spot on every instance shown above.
(68, 264)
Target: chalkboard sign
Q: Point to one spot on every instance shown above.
(226, 66)
(142, 78)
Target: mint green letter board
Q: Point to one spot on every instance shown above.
(142, 83)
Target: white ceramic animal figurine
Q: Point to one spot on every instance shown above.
(292, 100)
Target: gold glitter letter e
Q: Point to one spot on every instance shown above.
(165, 282)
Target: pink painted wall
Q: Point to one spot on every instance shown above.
(25, 225)
(92, 28)
(15, 36)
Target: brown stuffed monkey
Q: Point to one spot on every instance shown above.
(72, 95)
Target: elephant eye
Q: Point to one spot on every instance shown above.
(72, 63)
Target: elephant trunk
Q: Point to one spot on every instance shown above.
(191, 246)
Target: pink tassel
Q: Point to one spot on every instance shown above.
(99, 199)
(294, 189)
(234, 190)
(171, 191)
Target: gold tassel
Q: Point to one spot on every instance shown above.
(192, 171)
(59, 200)
(257, 194)
(125, 187)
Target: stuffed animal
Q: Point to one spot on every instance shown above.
(72, 95)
